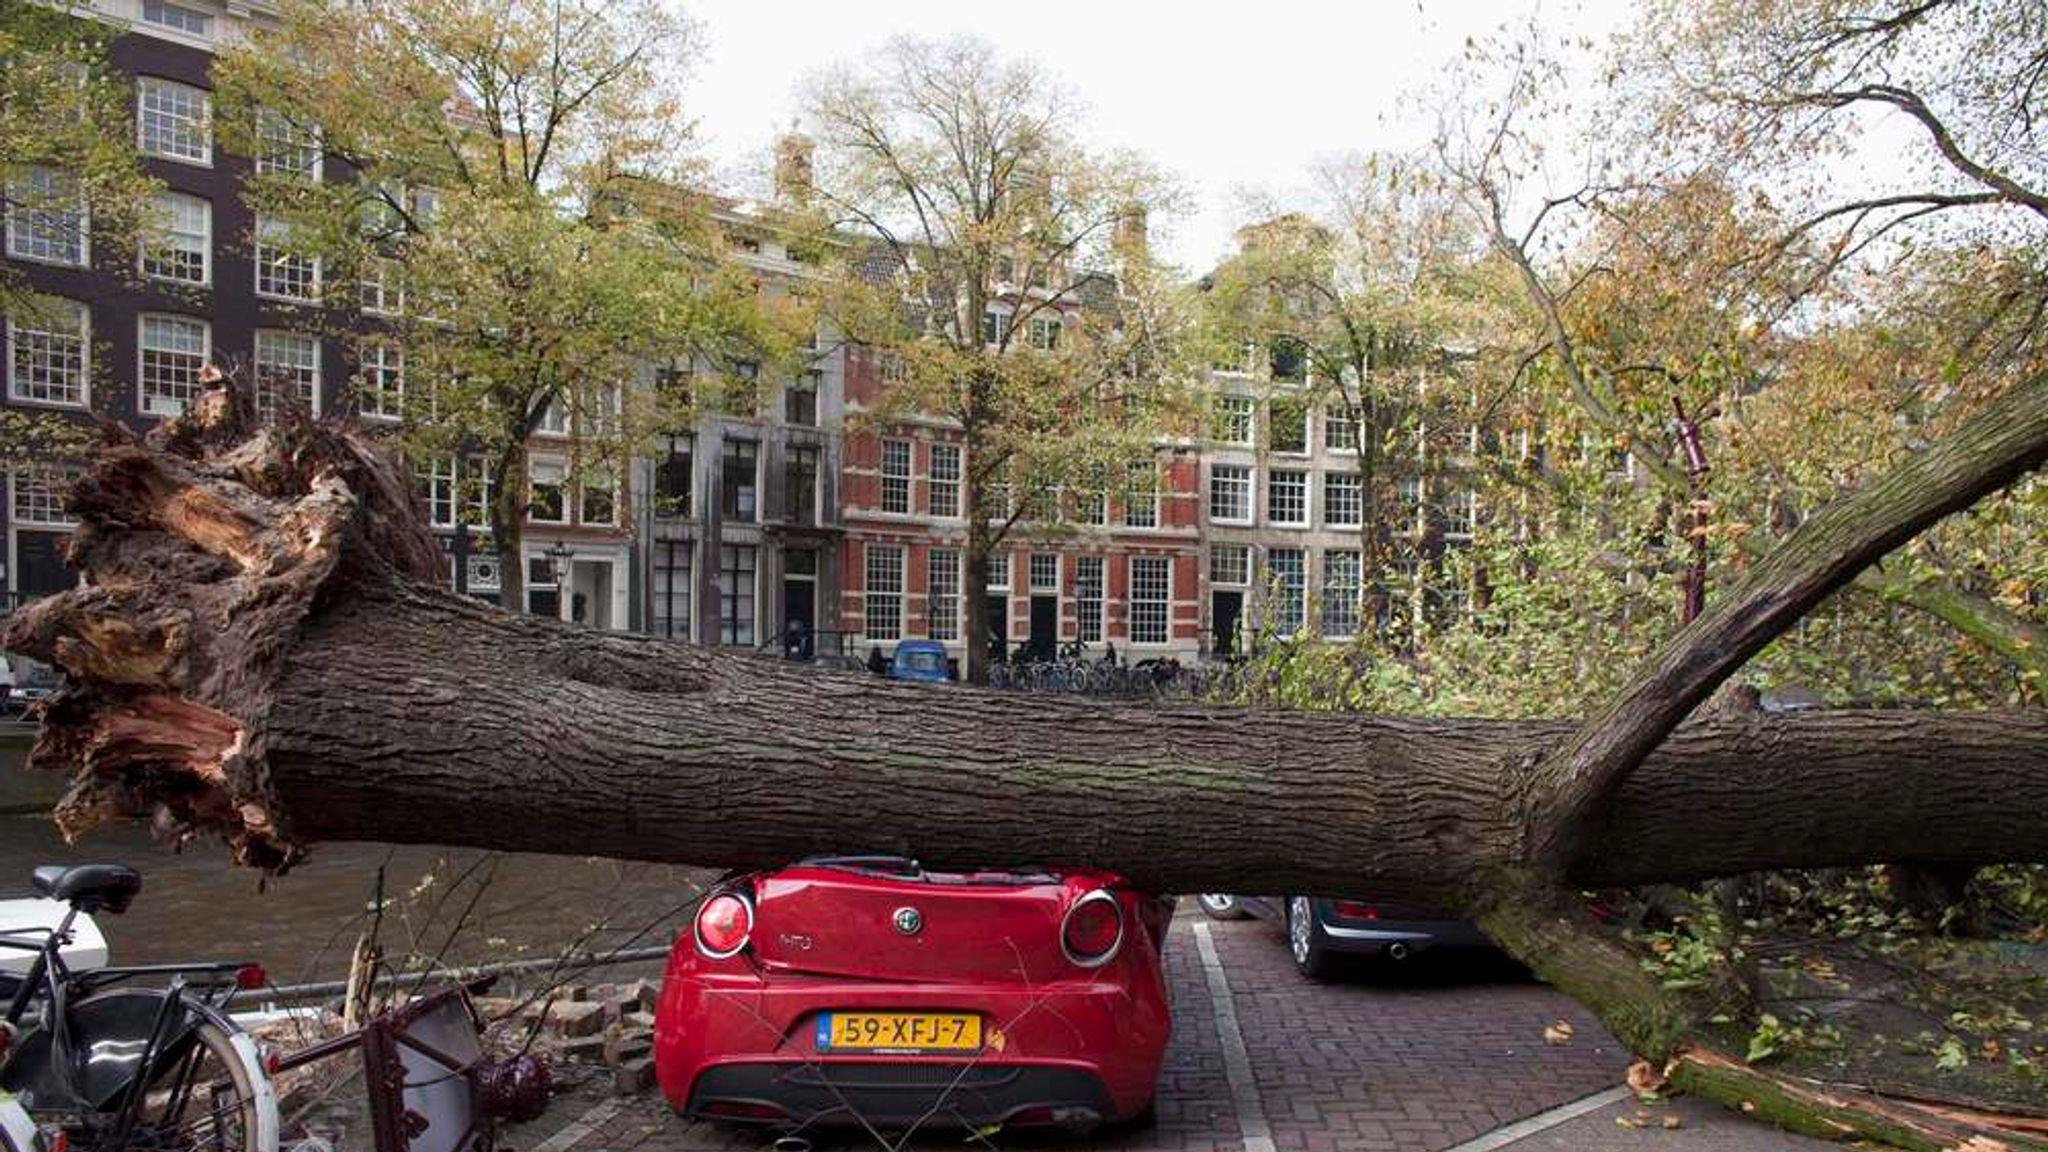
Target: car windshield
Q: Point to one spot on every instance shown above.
(922, 661)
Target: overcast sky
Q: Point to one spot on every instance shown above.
(1226, 97)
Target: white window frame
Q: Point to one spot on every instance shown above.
(1002, 571)
(180, 239)
(877, 558)
(277, 139)
(1274, 490)
(1090, 588)
(34, 489)
(31, 229)
(380, 286)
(606, 477)
(1343, 482)
(995, 326)
(171, 405)
(18, 342)
(1148, 512)
(1144, 607)
(443, 491)
(1412, 502)
(1239, 574)
(1333, 421)
(745, 631)
(1037, 586)
(559, 469)
(945, 480)
(172, 120)
(1339, 612)
(1245, 480)
(164, 8)
(893, 482)
(1046, 332)
(1461, 504)
(379, 367)
(309, 386)
(274, 265)
(943, 592)
(1290, 596)
(1232, 410)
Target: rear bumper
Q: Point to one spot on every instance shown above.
(1376, 937)
(941, 1095)
(1090, 1049)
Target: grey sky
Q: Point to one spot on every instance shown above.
(1228, 97)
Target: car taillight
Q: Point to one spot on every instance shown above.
(1355, 910)
(250, 977)
(1092, 930)
(722, 925)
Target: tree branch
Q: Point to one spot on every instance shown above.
(2005, 441)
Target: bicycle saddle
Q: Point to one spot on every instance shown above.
(90, 888)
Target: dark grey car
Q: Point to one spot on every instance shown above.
(1320, 930)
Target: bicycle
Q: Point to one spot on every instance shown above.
(128, 1069)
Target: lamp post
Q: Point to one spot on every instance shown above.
(558, 561)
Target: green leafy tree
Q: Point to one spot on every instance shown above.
(507, 200)
(1003, 280)
(67, 137)
(1374, 308)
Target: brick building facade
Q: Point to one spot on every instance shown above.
(1106, 573)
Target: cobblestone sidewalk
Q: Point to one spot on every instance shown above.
(1437, 1060)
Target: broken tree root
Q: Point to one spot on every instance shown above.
(205, 547)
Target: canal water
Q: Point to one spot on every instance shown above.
(461, 906)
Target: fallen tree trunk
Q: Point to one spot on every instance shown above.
(456, 720)
(262, 650)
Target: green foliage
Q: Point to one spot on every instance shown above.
(514, 224)
(63, 108)
(1775, 1037)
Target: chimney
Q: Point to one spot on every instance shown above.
(793, 167)
(1129, 239)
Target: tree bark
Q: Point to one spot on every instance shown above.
(453, 719)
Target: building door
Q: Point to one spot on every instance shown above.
(1045, 626)
(996, 606)
(39, 568)
(1226, 609)
(799, 602)
(590, 593)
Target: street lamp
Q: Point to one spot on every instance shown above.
(558, 561)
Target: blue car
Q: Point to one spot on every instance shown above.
(920, 660)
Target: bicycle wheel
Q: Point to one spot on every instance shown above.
(214, 1097)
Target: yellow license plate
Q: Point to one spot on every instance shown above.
(899, 1032)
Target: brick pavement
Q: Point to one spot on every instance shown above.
(1375, 1064)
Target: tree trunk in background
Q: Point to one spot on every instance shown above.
(263, 649)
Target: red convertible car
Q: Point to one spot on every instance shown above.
(869, 991)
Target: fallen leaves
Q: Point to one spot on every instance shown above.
(1640, 1120)
(1559, 1032)
(1645, 1081)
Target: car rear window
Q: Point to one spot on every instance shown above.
(899, 868)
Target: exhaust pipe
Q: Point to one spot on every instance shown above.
(1397, 951)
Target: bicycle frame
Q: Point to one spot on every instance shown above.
(178, 1013)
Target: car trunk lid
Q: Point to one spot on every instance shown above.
(886, 919)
